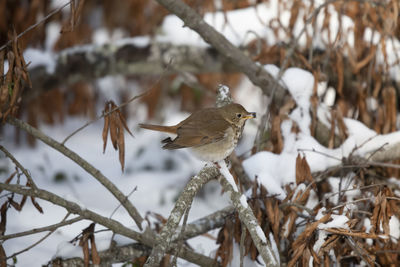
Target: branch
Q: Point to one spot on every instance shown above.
(116, 254)
(164, 239)
(82, 163)
(42, 229)
(19, 165)
(90, 62)
(113, 225)
(247, 217)
(205, 224)
(37, 242)
(256, 73)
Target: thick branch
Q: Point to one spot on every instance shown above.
(247, 217)
(92, 61)
(256, 73)
(165, 238)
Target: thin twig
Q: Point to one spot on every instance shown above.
(19, 165)
(103, 115)
(37, 242)
(42, 229)
(36, 24)
(120, 106)
(120, 204)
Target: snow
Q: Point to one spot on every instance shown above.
(243, 201)
(246, 260)
(38, 57)
(394, 226)
(274, 171)
(227, 175)
(261, 234)
(223, 91)
(274, 247)
(338, 221)
(67, 250)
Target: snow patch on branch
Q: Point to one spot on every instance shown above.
(227, 175)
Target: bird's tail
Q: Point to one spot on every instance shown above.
(159, 128)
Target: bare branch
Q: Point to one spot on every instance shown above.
(42, 229)
(83, 164)
(205, 224)
(164, 239)
(19, 165)
(247, 217)
(256, 73)
(126, 58)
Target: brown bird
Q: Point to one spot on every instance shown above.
(210, 133)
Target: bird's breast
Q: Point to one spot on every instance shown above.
(218, 150)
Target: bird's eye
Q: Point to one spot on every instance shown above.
(239, 115)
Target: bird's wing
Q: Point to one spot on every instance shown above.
(199, 129)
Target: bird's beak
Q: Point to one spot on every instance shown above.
(251, 115)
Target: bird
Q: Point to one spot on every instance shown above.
(210, 133)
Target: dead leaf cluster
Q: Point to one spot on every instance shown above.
(296, 224)
(10, 202)
(11, 86)
(114, 123)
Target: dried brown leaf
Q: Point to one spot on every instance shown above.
(123, 121)
(225, 239)
(121, 145)
(375, 214)
(341, 231)
(3, 215)
(309, 230)
(15, 205)
(37, 206)
(106, 127)
(306, 256)
(114, 128)
(340, 72)
(298, 252)
(84, 242)
(95, 253)
(362, 63)
(76, 11)
(2, 54)
(389, 103)
(3, 257)
(343, 133)
(8, 180)
(85, 250)
(303, 171)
